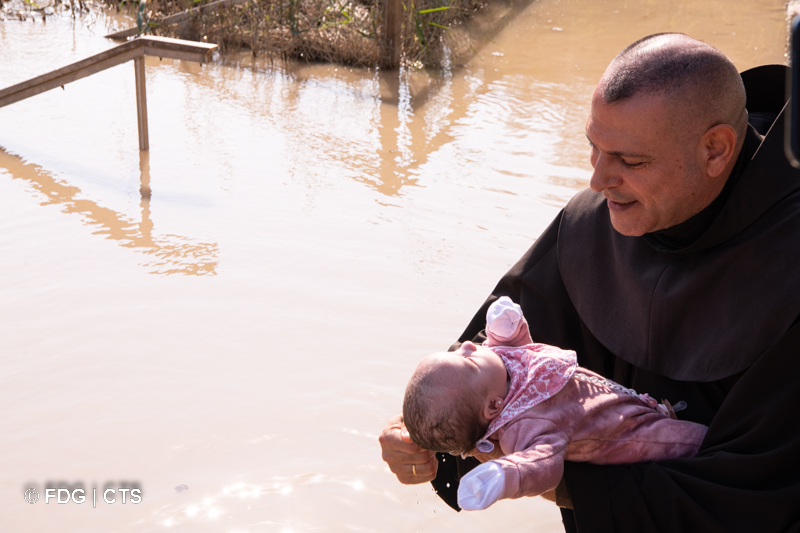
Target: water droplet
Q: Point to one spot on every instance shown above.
(418, 502)
(434, 510)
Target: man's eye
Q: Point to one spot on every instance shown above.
(627, 164)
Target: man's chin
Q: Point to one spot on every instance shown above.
(626, 224)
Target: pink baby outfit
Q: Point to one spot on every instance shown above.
(557, 411)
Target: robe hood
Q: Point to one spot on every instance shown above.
(688, 313)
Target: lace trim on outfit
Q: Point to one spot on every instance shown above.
(537, 372)
(617, 387)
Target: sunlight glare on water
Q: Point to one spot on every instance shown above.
(237, 310)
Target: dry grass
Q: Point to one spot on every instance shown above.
(340, 31)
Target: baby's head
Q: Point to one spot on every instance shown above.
(453, 396)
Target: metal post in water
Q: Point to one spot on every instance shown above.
(141, 102)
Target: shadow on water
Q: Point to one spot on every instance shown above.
(172, 254)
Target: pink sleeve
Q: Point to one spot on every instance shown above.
(535, 460)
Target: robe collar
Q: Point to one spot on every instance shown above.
(750, 198)
(688, 232)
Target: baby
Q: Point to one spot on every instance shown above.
(539, 407)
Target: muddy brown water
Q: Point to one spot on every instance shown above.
(312, 232)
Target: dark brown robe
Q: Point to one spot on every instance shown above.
(712, 322)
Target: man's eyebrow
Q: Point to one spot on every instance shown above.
(619, 154)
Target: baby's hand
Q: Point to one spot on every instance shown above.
(481, 487)
(505, 325)
(496, 453)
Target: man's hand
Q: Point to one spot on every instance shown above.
(410, 463)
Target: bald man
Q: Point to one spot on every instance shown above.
(676, 273)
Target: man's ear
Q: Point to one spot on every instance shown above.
(718, 146)
(492, 408)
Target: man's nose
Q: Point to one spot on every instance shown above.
(605, 175)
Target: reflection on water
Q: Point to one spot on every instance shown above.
(173, 254)
(339, 224)
(236, 504)
(386, 129)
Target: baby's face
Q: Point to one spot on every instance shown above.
(473, 368)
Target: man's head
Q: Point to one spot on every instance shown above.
(452, 396)
(667, 122)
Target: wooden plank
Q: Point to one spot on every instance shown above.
(155, 46)
(177, 48)
(141, 103)
(123, 34)
(68, 74)
(178, 17)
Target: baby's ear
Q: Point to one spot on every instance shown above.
(492, 408)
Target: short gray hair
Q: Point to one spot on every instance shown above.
(698, 75)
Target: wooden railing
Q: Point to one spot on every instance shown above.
(135, 49)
